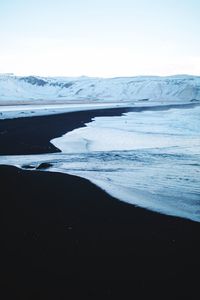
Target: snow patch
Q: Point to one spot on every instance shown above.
(139, 88)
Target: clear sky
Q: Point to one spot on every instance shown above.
(100, 37)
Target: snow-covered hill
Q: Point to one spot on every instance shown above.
(141, 88)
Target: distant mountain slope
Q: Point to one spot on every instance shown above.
(141, 88)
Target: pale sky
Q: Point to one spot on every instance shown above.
(103, 38)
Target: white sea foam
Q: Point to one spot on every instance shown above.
(150, 159)
(134, 131)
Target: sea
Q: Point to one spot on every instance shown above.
(148, 158)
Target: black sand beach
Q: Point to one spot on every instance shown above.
(59, 230)
(32, 135)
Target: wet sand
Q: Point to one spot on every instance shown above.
(32, 135)
(58, 231)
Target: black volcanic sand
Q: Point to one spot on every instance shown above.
(62, 234)
(32, 135)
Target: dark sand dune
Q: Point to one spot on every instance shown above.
(58, 231)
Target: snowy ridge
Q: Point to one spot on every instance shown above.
(140, 88)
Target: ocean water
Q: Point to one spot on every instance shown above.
(150, 159)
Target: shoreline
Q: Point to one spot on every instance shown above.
(60, 230)
(63, 229)
(23, 111)
(32, 135)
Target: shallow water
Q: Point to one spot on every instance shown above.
(149, 159)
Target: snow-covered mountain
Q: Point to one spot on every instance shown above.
(141, 88)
